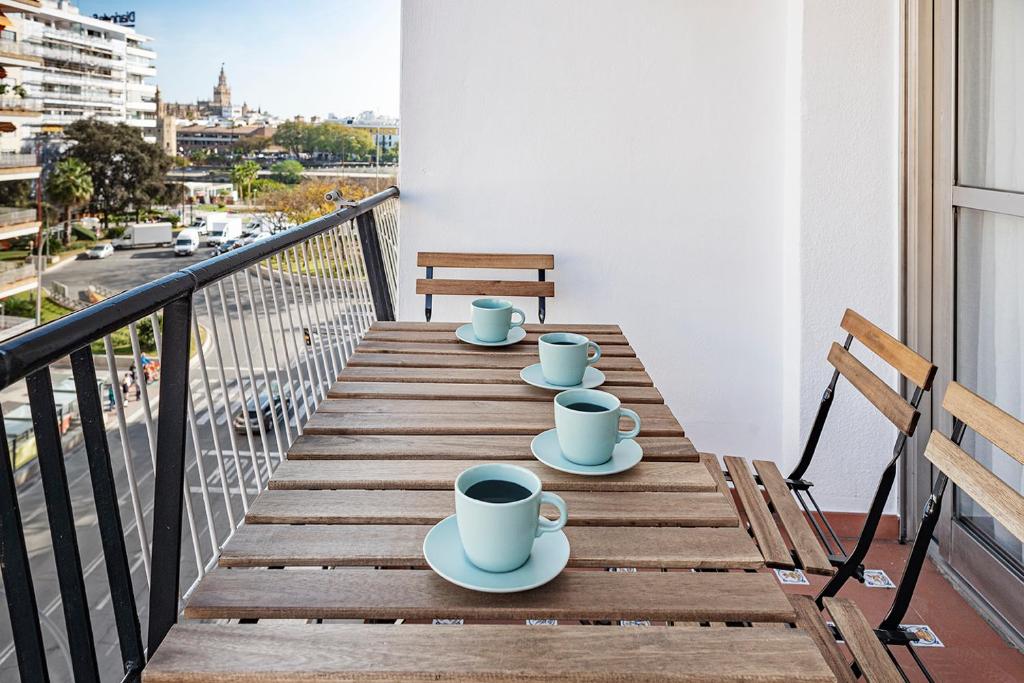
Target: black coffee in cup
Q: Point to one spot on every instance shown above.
(498, 491)
(584, 407)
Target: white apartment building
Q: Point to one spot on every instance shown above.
(384, 128)
(77, 66)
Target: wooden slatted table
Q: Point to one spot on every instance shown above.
(339, 532)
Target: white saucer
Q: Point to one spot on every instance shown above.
(465, 333)
(545, 448)
(592, 377)
(442, 549)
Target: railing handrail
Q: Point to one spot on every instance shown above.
(40, 347)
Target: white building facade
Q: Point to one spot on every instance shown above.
(81, 67)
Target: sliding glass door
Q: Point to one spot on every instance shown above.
(978, 285)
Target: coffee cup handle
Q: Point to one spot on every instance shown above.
(545, 525)
(622, 436)
(522, 317)
(597, 353)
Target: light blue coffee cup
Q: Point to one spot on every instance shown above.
(498, 537)
(492, 319)
(564, 357)
(587, 424)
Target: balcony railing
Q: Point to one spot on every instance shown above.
(16, 160)
(249, 345)
(15, 273)
(13, 216)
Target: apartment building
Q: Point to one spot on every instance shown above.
(75, 66)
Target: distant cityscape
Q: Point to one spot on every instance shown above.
(59, 66)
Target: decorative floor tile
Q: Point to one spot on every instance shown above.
(792, 577)
(642, 622)
(835, 632)
(926, 636)
(625, 570)
(542, 622)
(876, 578)
(447, 621)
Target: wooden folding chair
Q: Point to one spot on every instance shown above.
(542, 288)
(806, 538)
(1005, 504)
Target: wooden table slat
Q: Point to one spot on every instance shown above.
(416, 326)
(490, 446)
(613, 378)
(406, 416)
(602, 338)
(797, 527)
(493, 361)
(868, 651)
(769, 539)
(523, 350)
(430, 507)
(476, 392)
(408, 653)
(315, 545)
(416, 475)
(421, 594)
(809, 618)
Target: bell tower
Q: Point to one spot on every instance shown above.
(222, 93)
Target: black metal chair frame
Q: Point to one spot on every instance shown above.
(847, 564)
(889, 631)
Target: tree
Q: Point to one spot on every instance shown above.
(127, 172)
(305, 201)
(69, 186)
(292, 136)
(288, 171)
(242, 175)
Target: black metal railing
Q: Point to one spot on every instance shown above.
(340, 271)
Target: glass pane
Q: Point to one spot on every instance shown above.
(990, 106)
(990, 343)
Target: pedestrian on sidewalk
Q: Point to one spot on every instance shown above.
(110, 397)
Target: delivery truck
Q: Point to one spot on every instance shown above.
(223, 228)
(144, 235)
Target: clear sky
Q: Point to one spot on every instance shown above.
(308, 57)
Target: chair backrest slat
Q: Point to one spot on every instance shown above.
(485, 287)
(439, 259)
(911, 365)
(1001, 428)
(538, 263)
(880, 394)
(984, 488)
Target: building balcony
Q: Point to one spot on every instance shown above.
(17, 167)
(15, 279)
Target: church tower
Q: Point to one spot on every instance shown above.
(222, 93)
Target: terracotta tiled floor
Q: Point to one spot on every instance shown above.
(972, 652)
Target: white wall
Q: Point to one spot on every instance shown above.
(671, 156)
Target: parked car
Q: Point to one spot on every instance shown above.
(200, 226)
(254, 237)
(282, 409)
(99, 251)
(226, 246)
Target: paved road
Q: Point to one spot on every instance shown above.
(124, 269)
(243, 336)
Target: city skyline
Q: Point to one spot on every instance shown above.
(356, 71)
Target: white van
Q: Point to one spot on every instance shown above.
(187, 242)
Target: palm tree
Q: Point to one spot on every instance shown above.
(69, 186)
(242, 175)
